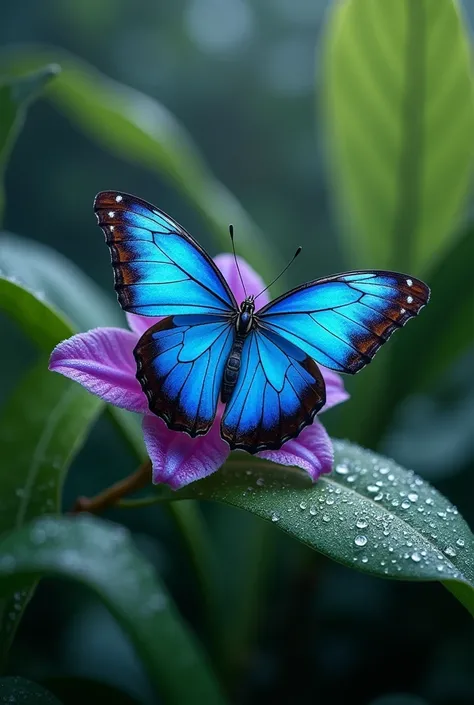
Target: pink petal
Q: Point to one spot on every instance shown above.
(102, 361)
(177, 458)
(335, 392)
(140, 324)
(253, 281)
(311, 451)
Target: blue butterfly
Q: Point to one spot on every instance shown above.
(262, 365)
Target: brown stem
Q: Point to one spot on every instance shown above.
(136, 481)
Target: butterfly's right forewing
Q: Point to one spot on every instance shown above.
(159, 268)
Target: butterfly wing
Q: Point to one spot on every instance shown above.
(180, 364)
(278, 392)
(342, 321)
(159, 269)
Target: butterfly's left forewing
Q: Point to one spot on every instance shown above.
(342, 321)
(278, 392)
(180, 364)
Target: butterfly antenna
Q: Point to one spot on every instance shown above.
(282, 271)
(231, 233)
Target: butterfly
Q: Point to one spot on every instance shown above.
(261, 364)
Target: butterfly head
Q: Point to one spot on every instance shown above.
(244, 320)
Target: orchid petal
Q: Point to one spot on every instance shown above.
(311, 451)
(139, 324)
(102, 361)
(178, 459)
(254, 283)
(335, 391)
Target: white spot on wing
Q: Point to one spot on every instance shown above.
(118, 198)
(402, 310)
(410, 299)
(111, 214)
(410, 282)
(111, 228)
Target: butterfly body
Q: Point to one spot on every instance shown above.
(262, 364)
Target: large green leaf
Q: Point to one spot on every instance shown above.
(15, 97)
(38, 320)
(102, 557)
(56, 280)
(42, 427)
(369, 513)
(23, 692)
(400, 112)
(138, 128)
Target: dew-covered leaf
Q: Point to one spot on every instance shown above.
(102, 557)
(369, 513)
(138, 128)
(42, 427)
(20, 691)
(15, 96)
(400, 109)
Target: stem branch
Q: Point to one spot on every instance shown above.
(113, 494)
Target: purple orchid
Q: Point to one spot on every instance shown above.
(102, 361)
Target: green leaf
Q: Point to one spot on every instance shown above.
(401, 122)
(102, 557)
(42, 427)
(15, 97)
(37, 319)
(369, 513)
(20, 691)
(56, 280)
(138, 128)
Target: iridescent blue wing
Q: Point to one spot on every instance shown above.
(278, 392)
(342, 321)
(180, 365)
(159, 269)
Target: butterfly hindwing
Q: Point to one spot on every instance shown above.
(342, 321)
(180, 364)
(159, 269)
(278, 392)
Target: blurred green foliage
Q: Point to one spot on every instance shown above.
(383, 180)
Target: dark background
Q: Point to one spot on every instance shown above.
(240, 77)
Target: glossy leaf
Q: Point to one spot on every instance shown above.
(58, 281)
(37, 319)
(103, 558)
(20, 691)
(401, 120)
(369, 513)
(42, 427)
(15, 96)
(138, 128)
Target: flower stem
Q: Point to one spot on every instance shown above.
(113, 494)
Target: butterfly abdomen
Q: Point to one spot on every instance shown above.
(232, 368)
